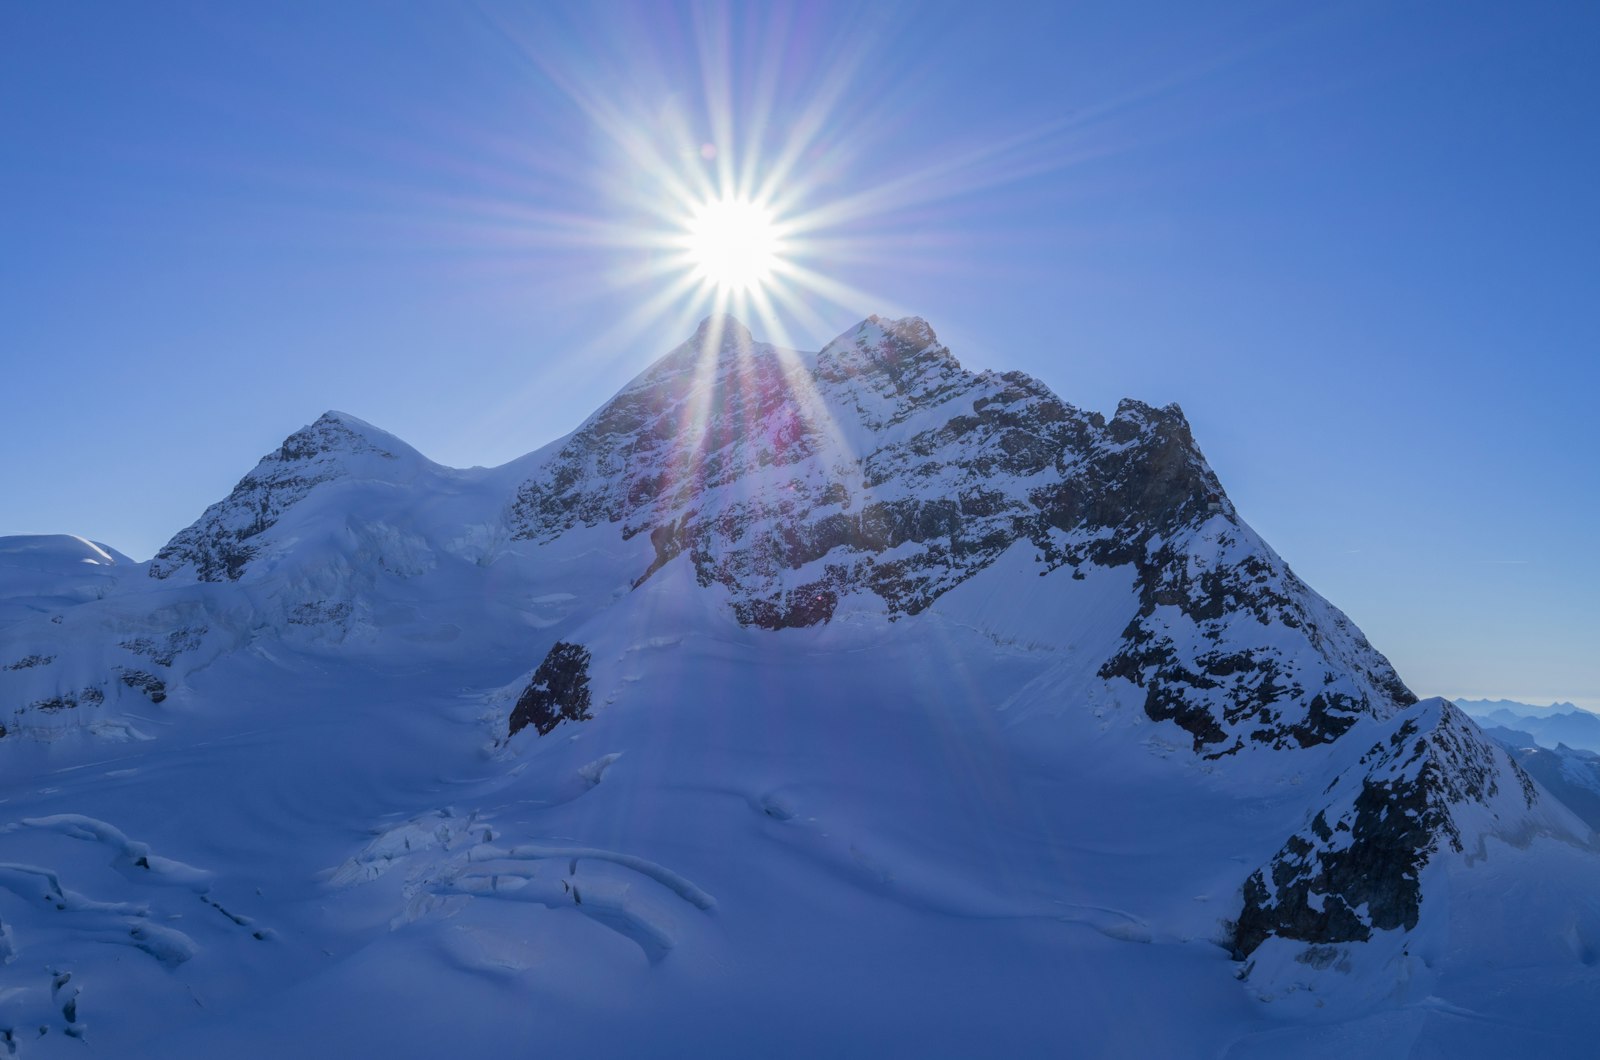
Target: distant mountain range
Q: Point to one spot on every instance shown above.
(1558, 744)
(1558, 723)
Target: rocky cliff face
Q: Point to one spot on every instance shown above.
(884, 472)
(1356, 867)
(881, 468)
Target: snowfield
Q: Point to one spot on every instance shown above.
(904, 711)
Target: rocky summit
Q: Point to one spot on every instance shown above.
(796, 702)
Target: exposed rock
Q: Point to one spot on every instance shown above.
(164, 650)
(558, 691)
(318, 613)
(87, 697)
(152, 686)
(1204, 592)
(1356, 868)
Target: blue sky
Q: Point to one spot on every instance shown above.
(1358, 245)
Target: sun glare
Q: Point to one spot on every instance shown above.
(734, 245)
(729, 202)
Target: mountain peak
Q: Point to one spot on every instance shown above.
(910, 329)
(344, 419)
(1135, 419)
(334, 432)
(720, 341)
(220, 544)
(722, 331)
(902, 352)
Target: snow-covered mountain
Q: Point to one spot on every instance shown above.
(795, 703)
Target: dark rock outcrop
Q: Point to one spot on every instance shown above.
(153, 687)
(558, 691)
(1183, 649)
(164, 650)
(28, 662)
(1356, 868)
(83, 697)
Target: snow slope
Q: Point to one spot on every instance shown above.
(846, 702)
(43, 571)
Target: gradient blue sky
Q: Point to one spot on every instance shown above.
(1357, 242)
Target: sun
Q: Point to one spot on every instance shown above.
(734, 245)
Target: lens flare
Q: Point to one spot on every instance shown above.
(734, 245)
(729, 197)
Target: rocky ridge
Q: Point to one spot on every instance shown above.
(1356, 867)
(885, 473)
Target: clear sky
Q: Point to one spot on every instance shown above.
(1359, 243)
